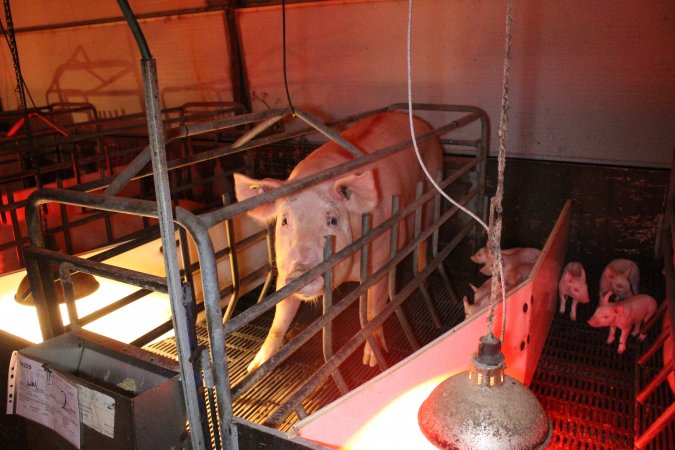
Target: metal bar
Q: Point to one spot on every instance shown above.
(655, 428)
(69, 295)
(194, 402)
(133, 169)
(642, 396)
(282, 412)
(240, 207)
(124, 301)
(419, 191)
(435, 240)
(96, 268)
(255, 311)
(644, 329)
(363, 298)
(234, 269)
(316, 326)
(327, 303)
(328, 132)
(663, 337)
(391, 282)
(271, 258)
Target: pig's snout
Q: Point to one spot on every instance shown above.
(313, 289)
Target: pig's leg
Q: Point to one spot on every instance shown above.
(377, 299)
(636, 329)
(623, 339)
(573, 310)
(283, 316)
(563, 300)
(610, 338)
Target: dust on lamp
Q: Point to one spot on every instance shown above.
(484, 408)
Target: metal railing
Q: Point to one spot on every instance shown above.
(216, 382)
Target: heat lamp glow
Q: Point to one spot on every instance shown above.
(400, 415)
(125, 324)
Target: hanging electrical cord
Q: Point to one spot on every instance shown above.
(283, 43)
(494, 230)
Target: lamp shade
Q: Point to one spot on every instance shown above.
(484, 408)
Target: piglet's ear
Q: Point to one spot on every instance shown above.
(605, 300)
(358, 190)
(583, 275)
(618, 310)
(246, 188)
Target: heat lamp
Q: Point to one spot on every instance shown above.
(483, 408)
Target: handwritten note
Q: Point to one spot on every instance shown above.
(42, 394)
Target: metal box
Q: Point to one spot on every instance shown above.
(152, 417)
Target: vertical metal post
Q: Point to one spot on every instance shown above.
(269, 240)
(435, 240)
(419, 190)
(193, 400)
(363, 299)
(393, 249)
(328, 248)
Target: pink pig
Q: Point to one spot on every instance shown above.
(511, 257)
(335, 207)
(621, 276)
(573, 284)
(623, 315)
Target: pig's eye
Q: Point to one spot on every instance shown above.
(332, 221)
(284, 221)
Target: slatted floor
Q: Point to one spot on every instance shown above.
(586, 388)
(264, 397)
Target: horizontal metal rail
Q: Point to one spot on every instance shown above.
(197, 227)
(255, 311)
(353, 344)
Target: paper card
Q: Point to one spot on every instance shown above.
(98, 411)
(42, 394)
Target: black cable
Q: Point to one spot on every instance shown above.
(135, 29)
(283, 32)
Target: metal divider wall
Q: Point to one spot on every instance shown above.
(218, 376)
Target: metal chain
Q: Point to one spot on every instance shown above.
(495, 231)
(11, 42)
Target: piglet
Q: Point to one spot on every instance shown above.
(511, 257)
(622, 277)
(623, 315)
(573, 284)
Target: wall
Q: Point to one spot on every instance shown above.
(100, 62)
(590, 81)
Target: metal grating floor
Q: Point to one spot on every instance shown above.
(588, 389)
(264, 397)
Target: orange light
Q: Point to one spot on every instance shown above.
(399, 415)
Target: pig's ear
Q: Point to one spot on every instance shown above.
(618, 310)
(568, 277)
(358, 190)
(246, 188)
(605, 300)
(583, 275)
